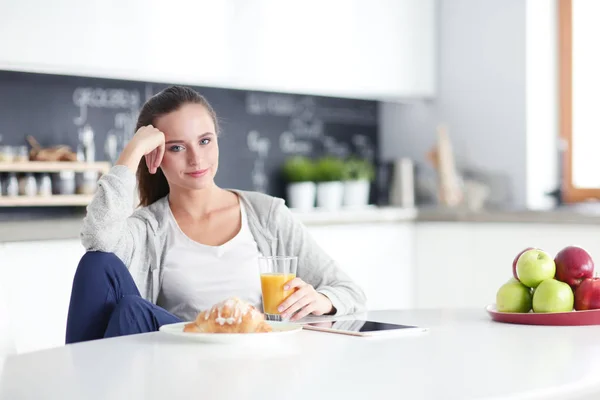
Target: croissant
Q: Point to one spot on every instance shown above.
(232, 315)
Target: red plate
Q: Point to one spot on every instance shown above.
(588, 317)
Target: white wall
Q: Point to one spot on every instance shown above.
(481, 93)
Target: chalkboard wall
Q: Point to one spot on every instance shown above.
(259, 130)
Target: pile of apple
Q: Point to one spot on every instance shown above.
(548, 285)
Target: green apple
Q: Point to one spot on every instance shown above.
(553, 296)
(535, 266)
(513, 297)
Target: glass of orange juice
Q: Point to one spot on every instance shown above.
(275, 272)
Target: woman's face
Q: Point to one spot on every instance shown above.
(191, 151)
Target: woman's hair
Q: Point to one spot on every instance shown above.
(153, 187)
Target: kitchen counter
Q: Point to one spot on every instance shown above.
(465, 355)
(557, 216)
(40, 229)
(69, 227)
(371, 214)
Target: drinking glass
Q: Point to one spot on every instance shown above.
(275, 272)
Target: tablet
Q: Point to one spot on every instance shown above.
(363, 328)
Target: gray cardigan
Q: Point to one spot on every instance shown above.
(138, 238)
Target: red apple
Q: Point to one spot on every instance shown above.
(587, 295)
(573, 264)
(516, 259)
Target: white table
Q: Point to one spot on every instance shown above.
(464, 356)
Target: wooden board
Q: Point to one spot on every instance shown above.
(50, 201)
(41, 166)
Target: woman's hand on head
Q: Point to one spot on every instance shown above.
(148, 142)
(151, 143)
(306, 300)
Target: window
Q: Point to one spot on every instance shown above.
(579, 87)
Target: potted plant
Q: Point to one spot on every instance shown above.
(329, 173)
(358, 175)
(299, 174)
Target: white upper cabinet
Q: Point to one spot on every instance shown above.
(375, 49)
(176, 41)
(368, 49)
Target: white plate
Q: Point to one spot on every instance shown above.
(279, 329)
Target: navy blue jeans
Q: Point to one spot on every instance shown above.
(105, 302)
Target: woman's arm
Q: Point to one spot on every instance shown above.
(109, 225)
(315, 266)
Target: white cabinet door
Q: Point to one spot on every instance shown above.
(178, 41)
(7, 338)
(349, 48)
(39, 277)
(443, 258)
(378, 256)
(464, 264)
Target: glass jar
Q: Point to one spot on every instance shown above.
(12, 185)
(45, 185)
(6, 154)
(88, 182)
(65, 183)
(27, 185)
(21, 154)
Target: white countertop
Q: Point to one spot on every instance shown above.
(464, 356)
(69, 227)
(357, 215)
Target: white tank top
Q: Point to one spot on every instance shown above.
(197, 276)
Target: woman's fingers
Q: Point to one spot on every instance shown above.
(159, 156)
(148, 162)
(294, 297)
(294, 283)
(151, 161)
(300, 304)
(304, 312)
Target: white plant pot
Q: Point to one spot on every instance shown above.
(330, 195)
(356, 193)
(301, 195)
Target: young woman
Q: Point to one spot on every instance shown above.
(191, 243)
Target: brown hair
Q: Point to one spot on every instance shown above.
(152, 187)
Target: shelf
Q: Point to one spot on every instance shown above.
(46, 201)
(43, 166)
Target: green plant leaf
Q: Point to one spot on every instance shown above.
(329, 169)
(359, 169)
(298, 169)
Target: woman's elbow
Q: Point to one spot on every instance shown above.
(97, 242)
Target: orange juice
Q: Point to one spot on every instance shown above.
(272, 290)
